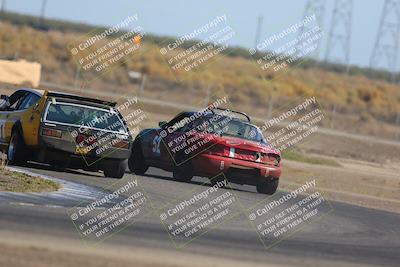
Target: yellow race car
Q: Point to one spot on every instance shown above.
(64, 130)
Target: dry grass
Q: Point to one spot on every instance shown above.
(19, 182)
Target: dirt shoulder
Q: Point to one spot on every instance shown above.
(361, 183)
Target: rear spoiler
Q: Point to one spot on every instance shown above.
(233, 111)
(80, 98)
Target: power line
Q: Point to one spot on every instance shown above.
(386, 47)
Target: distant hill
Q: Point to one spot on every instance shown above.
(66, 26)
(355, 102)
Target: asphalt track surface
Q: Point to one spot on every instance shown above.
(347, 234)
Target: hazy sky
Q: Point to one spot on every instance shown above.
(178, 17)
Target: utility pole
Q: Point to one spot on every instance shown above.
(77, 75)
(258, 30)
(397, 135)
(340, 33)
(385, 52)
(142, 84)
(208, 94)
(317, 8)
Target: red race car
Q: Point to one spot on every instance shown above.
(209, 144)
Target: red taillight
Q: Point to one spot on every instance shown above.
(51, 133)
(273, 158)
(80, 138)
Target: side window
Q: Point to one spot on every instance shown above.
(28, 101)
(16, 99)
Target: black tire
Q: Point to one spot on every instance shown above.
(136, 162)
(183, 172)
(268, 187)
(116, 170)
(220, 178)
(16, 153)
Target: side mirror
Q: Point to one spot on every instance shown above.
(162, 124)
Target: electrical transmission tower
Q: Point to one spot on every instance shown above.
(258, 30)
(317, 8)
(388, 37)
(42, 12)
(3, 6)
(338, 47)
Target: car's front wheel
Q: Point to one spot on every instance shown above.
(220, 179)
(116, 170)
(137, 163)
(268, 187)
(16, 149)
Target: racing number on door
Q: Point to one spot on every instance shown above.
(156, 145)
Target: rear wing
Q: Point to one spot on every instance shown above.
(233, 111)
(80, 98)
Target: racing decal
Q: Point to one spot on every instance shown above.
(156, 145)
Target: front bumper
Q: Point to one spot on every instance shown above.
(236, 170)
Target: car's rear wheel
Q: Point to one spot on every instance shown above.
(183, 172)
(268, 187)
(116, 170)
(16, 149)
(137, 163)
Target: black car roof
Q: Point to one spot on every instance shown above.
(82, 98)
(41, 93)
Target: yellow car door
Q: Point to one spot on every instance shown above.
(28, 113)
(31, 120)
(10, 115)
(25, 110)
